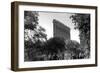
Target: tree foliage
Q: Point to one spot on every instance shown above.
(82, 23)
(54, 48)
(33, 34)
(56, 45)
(73, 47)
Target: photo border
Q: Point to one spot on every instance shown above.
(15, 34)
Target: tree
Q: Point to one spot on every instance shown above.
(30, 20)
(34, 35)
(82, 23)
(54, 48)
(73, 48)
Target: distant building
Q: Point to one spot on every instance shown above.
(61, 30)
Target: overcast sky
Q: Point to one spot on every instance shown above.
(46, 21)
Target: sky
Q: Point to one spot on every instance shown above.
(46, 21)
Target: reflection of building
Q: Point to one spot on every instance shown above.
(60, 30)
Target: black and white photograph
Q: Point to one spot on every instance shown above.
(53, 36)
(56, 36)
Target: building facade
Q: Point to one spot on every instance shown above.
(61, 30)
